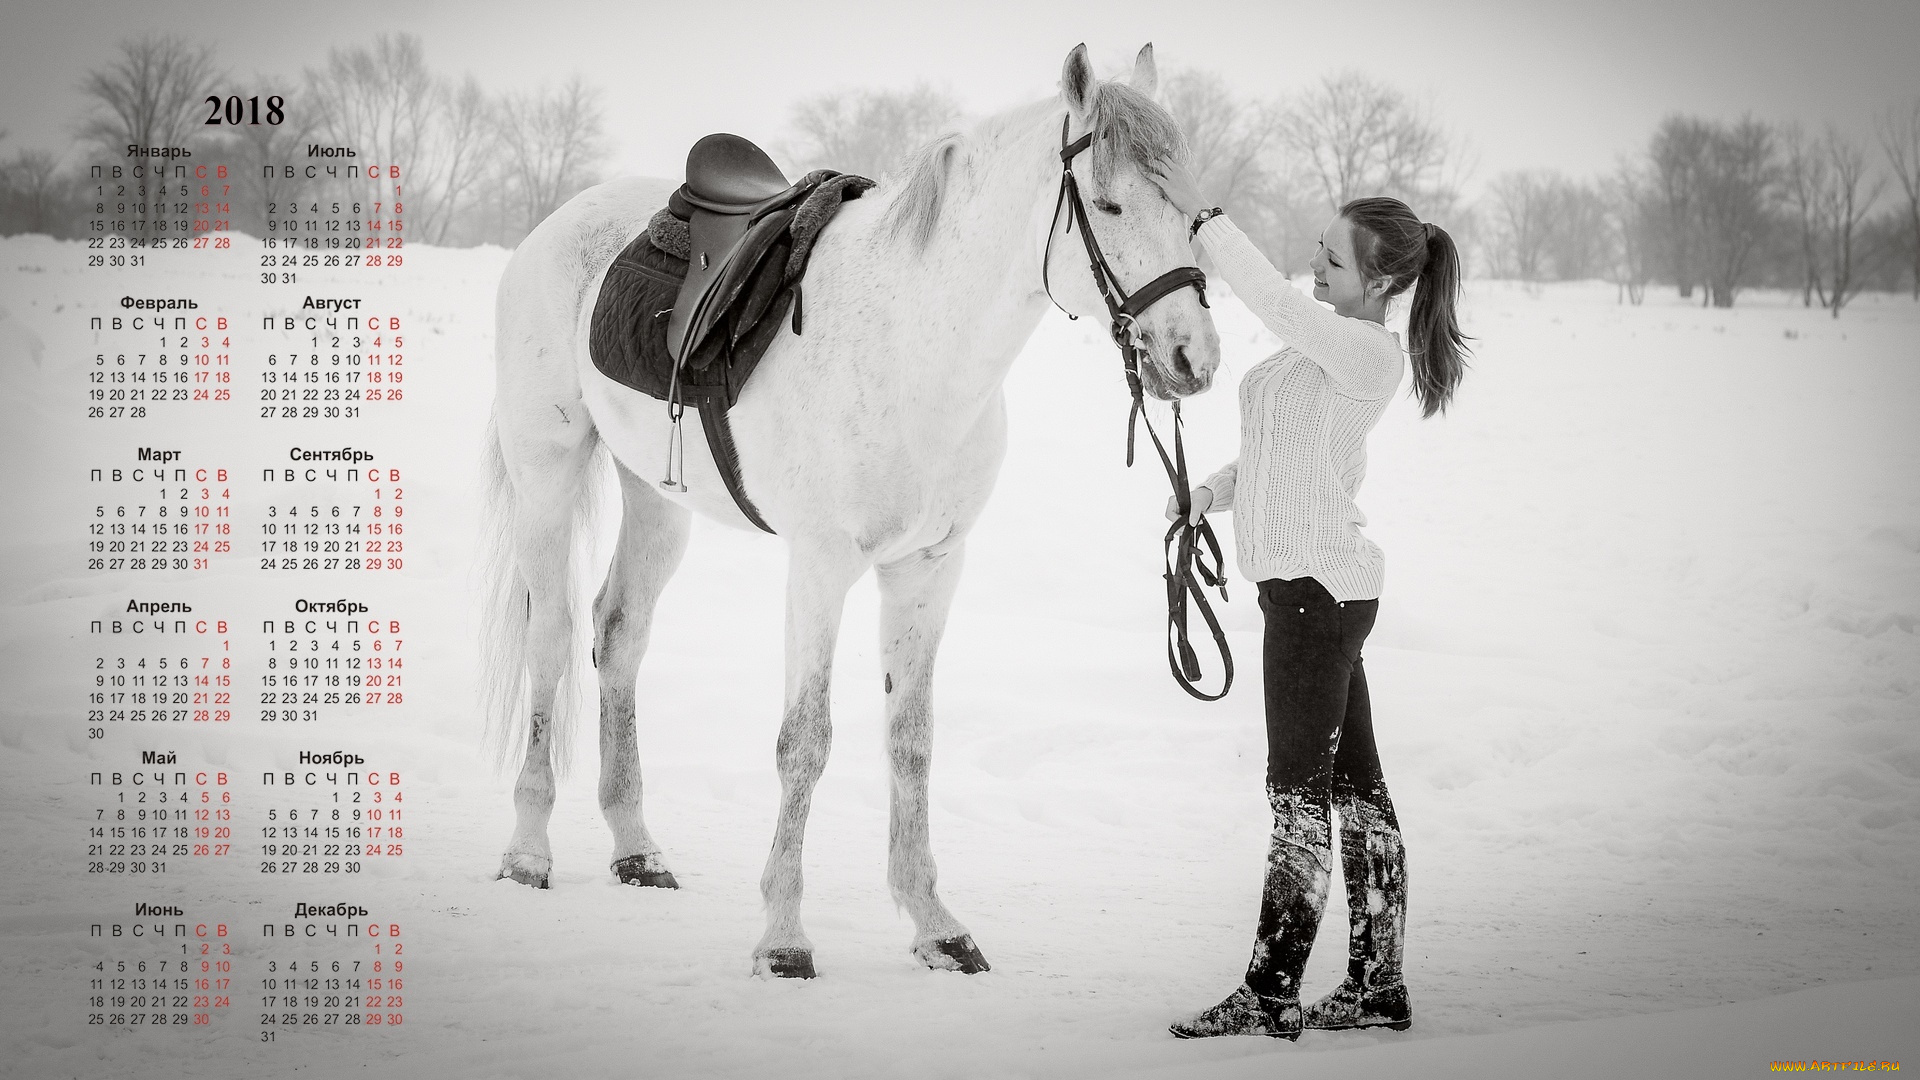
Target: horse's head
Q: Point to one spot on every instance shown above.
(1137, 230)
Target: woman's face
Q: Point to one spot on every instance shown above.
(1336, 274)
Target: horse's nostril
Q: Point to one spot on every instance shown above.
(1181, 366)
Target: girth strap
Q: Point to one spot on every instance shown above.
(713, 419)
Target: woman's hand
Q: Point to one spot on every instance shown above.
(1181, 189)
(1200, 502)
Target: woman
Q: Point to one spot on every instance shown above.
(1305, 413)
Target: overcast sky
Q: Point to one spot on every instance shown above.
(1534, 84)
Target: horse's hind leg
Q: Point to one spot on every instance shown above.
(915, 595)
(819, 573)
(550, 477)
(653, 537)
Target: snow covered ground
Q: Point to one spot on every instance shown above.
(1644, 679)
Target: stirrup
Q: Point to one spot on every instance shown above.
(676, 453)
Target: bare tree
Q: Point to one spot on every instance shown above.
(37, 197)
(1736, 184)
(552, 146)
(1358, 137)
(1634, 212)
(1805, 179)
(146, 99)
(1228, 139)
(1677, 158)
(1579, 240)
(382, 102)
(1547, 226)
(468, 116)
(1235, 150)
(867, 132)
(1522, 218)
(1900, 137)
(1842, 201)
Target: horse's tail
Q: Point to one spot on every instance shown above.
(506, 619)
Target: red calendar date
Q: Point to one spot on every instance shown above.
(164, 968)
(159, 662)
(160, 514)
(153, 363)
(165, 205)
(331, 815)
(336, 361)
(331, 656)
(337, 516)
(334, 967)
(158, 816)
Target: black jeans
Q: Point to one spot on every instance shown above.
(1319, 720)
(1321, 754)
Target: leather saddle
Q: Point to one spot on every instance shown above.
(729, 250)
(733, 189)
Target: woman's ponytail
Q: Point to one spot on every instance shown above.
(1391, 242)
(1435, 344)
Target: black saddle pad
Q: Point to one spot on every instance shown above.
(628, 333)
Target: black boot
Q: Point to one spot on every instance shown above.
(1299, 864)
(1351, 1005)
(1375, 866)
(1244, 1013)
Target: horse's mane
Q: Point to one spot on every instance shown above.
(1127, 121)
(923, 188)
(1131, 123)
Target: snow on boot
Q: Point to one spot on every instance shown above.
(1349, 1006)
(1299, 865)
(1244, 1013)
(1374, 864)
(1299, 869)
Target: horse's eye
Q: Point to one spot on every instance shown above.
(1106, 207)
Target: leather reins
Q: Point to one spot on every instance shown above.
(1185, 566)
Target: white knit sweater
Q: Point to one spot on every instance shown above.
(1304, 416)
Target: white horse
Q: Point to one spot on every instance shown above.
(870, 441)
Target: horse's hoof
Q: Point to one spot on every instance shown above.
(527, 870)
(646, 871)
(784, 964)
(525, 877)
(953, 954)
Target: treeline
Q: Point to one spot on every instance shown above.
(1724, 206)
(1710, 206)
(479, 166)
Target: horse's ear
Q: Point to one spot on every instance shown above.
(1076, 80)
(1146, 78)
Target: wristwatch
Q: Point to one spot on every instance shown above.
(1202, 218)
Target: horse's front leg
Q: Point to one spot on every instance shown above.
(915, 596)
(819, 573)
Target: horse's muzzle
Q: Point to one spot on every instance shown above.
(1174, 376)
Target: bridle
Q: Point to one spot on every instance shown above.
(1183, 556)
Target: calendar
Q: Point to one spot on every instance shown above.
(222, 483)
